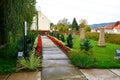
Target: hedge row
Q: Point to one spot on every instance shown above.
(59, 44)
(111, 38)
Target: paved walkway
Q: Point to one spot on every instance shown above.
(56, 65)
(101, 74)
(25, 76)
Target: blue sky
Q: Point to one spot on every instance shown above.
(94, 11)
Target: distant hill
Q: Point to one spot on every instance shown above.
(101, 24)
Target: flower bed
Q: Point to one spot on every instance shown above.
(39, 45)
(59, 44)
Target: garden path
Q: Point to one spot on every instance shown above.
(56, 65)
(101, 74)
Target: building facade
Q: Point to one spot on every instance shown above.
(113, 29)
(42, 23)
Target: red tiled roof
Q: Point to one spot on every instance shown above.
(109, 27)
(117, 23)
(115, 26)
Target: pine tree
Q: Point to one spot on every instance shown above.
(75, 24)
(62, 38)
(69, 41)
(86, 45)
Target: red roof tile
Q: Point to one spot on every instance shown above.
(109, 27)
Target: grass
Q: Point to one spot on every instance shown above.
(104, 55)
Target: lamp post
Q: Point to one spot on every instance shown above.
(38, 16)
(25, 36)
(37, 21)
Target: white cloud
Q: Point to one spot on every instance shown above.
(94, 11)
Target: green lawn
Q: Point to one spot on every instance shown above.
(104, 55)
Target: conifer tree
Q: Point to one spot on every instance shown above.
(75, 25)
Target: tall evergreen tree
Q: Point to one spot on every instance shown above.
(75, 24)
(13, 14)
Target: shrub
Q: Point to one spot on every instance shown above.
(51, 34)
(32, 62)
(81, 60)
(94, 36)
(57, 35)
(86, 45)
(59, 44)
(10, 50)
(7, 65)
(21, 44)
(111, 38)
(69, 41)
(62, 38)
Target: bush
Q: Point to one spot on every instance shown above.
(10, 49)
(111, 38)
(57, 35)
(62, 38)
(94, 36)
(32, 63)
(81, 60)
(51, 34)
(7, 65)
(21, 44)
(59, 43)
(86, 45)
(69, 41)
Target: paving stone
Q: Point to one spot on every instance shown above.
(61, 73)
(50, 45)
(25, 76)
(48, 56)
(116, 71)
(44, 37)
(50, 49)
(56, 63)
(47, 43)
(99, 74)
(53, 52)
(4, 76)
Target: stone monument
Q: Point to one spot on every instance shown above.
(101, 41)
(82, 34)
(73, 33)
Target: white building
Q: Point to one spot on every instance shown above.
(113, 29)
(43, 23)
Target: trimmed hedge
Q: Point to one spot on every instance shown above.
(59, 44)
(111, 38)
